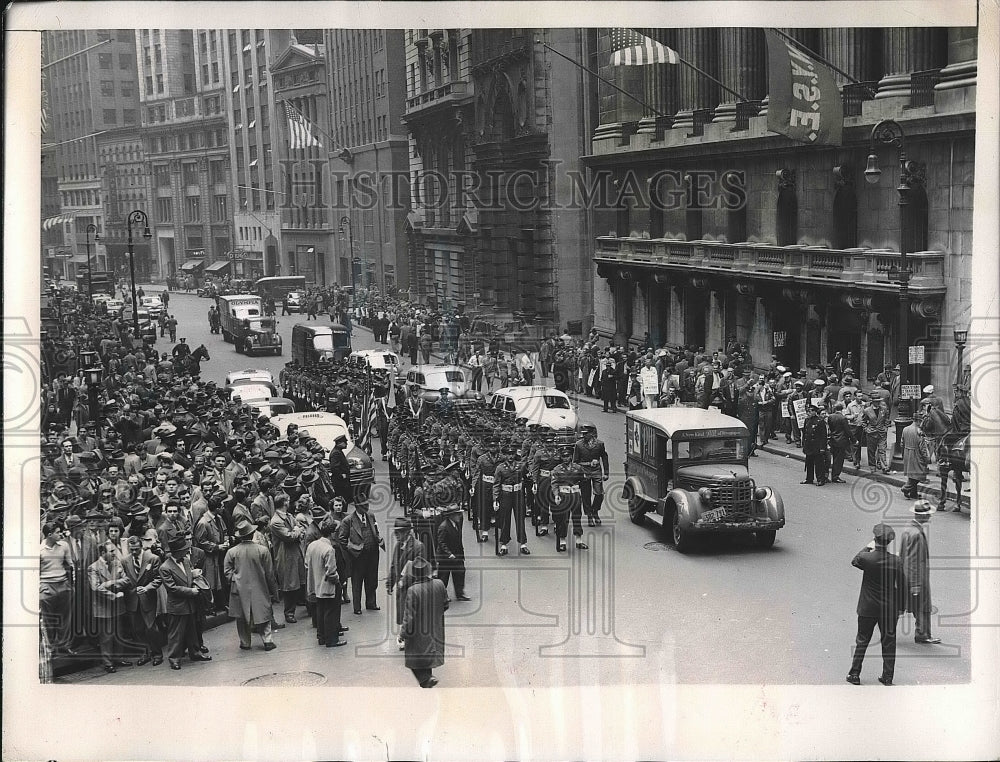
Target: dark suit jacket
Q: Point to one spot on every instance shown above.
(449, 540)
(883, 587)
(182, 596)
(813, 436)
(351, 533)
(340, 474)
(840, 432)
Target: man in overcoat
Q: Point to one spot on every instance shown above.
(914, 552)
(181, 607)
(253, 587)
(814, 446)
(882, 599)
(422, 631)
(288, 559)
(914, 458)
(323, 585)
(359, 536)
(108, 584)
(405, 549)
(451, 551)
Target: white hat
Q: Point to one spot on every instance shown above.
(782, 369)
(929, 389)
(819, 382)
(786, 374)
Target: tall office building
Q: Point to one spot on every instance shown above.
(807, 267)
(256, 172)
(501, 111)
(91, 88)
(186, 143)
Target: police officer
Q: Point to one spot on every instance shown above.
(483, 480)
(592, 457)
(566, 479)
(508, 500)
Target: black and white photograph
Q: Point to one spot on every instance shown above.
(586, 390)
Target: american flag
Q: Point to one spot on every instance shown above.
(300, 131)
(634, 49)
(367, 418)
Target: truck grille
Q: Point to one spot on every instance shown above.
(736, 498)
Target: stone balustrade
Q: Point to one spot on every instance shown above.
(814, 264)
(449, 91)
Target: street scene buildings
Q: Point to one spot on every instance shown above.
(651, 288)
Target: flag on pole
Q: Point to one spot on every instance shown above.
(634, 49)
(300, 129)
(45, 92)
(805, 101)
(367, 418)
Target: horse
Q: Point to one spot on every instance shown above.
(955, 456)
(192, 362)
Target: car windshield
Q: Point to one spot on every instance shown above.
(323, 341)
(552, 401)
(253, 391)
(711, 449)
(446, 376)
(262, 324)
(327, 433)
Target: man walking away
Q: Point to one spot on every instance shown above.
(880, 602)
(914, 552)
(423, 623)
(252, 586)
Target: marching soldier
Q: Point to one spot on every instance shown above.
(567, 498)
(482, 478)
(592, 457)
(508, 500)
(544, 459)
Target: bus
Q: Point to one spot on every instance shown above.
(276, 286)
(101, 281)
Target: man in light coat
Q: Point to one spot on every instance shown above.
(108, 584)
(914, 459)
(253, 586)
(914, 552)
(288, 559)
(422, 631)
(323, 585)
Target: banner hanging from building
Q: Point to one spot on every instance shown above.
(805, 102)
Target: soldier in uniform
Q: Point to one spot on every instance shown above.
(567, 499)
(508, 500)
(482, 478)
(543, 460)
(592, 457)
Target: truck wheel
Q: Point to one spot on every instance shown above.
(681, 538)
(765, 539)
(636, 509)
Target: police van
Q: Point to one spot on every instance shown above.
(538, 405)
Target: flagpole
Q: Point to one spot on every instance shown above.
(822, 60)
(598, 76)
(713, 79)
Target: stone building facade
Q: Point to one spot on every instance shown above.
(803, 268)
(495, 124)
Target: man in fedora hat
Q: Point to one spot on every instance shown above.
(406, 547)
(360, 536)
(451, 551)
(177, 575)
(422, 629)
(253, 586)
(914, 552)
(882, 599)
(340, 469)
(323, 585)
(288, 559)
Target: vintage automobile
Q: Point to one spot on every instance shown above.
(431, 379)
(325, 428)
(375, 359)
(316, 343)
(271, 406)
(250, 384)
(688, 468)
(153, 305)
(538, 406)
(296, 301)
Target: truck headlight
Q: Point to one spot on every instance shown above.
(705, 494)
(761, 493)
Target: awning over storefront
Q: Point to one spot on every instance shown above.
(192, 264)
(51, 222)
(218, 267)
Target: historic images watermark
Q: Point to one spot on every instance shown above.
(316, 184)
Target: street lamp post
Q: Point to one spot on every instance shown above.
(91, 228)
(961, 337)
(93, 376)
(889, 132)
(134, 218)
(350, 245)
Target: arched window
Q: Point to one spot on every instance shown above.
(845, 218)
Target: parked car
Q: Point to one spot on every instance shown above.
(431, 379)
(271, 406)
(152, 305)
(538, 405)
(688, 468)
(325, 428)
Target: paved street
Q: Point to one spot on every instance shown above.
(729, 613)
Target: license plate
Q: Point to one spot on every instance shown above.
(714, 515)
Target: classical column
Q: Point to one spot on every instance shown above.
(906, 50)
(742, 67)
(675, 323)
(854, 50)
(715, 335)
(699, 46)
(660, 82)
(963, 44)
